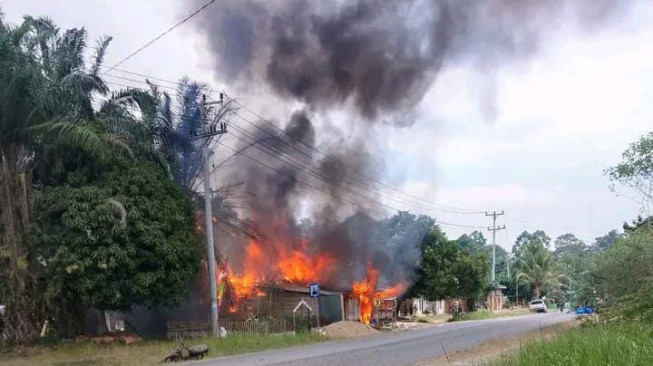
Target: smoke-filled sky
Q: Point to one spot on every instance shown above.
(475, 105)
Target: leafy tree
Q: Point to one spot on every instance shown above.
(568, 245)
(636, 224)
(472, 274)
(51, 135)
(635, 171)
(126, 239)
(447, 271)
(473, 243)
(437, 271)
(524, 238)
(625, 267)
(606, 241)
(536, 266)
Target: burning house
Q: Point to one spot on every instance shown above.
(271, 286)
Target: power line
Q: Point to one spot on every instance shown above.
(444, 207)
(349, 170)
(160, 36)
(299, 181)
(274, 153)
(310, 168)
(416, 201)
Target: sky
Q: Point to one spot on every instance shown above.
(559, 119)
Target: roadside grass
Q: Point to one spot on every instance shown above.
(485, 314)
(147, 352)
(593, 345)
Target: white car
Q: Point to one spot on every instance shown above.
(538, 305)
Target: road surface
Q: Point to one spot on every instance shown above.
(397, 348)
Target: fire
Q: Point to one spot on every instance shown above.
(295, 263)
(366, 293)
(364, 290)
(244, 285)
(396, 290)
(294, 266)
(299, 267)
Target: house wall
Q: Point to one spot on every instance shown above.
(330, 306)
(331, 310)
(286, 301)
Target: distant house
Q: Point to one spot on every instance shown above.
(421, 306)
(496, 299)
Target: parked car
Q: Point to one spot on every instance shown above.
(584, 310)
(538, 305)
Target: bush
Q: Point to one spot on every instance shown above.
(607, 344)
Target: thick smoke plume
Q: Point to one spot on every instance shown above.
(380, 57)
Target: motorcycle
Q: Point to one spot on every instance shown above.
(184, 353)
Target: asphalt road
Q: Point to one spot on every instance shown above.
(397, 348)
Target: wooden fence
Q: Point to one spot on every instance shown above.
(247, 327)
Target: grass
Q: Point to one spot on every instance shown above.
(148, 352)
(485, 314)
(594, 345)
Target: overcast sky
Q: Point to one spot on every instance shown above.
(559, 119)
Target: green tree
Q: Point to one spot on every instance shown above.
(568, 245)
(524, 238)
(606, 241)
(447, 271)
(437, 270)
(635, 171)
(125, 239)
(472, 274)
(51, 134)
(473, 243)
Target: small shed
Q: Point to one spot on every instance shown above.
(495, 297)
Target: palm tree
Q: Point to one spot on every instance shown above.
(538, 268)
(45, 103)
(173, 125)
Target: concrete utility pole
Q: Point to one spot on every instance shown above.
(494, 230)
(209, 131)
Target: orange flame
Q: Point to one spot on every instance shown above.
(299, 267)
(364, 290)
(366, 293)
(294, 266)
(244, 285)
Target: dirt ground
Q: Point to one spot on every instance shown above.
(348, 329)
(495, 348)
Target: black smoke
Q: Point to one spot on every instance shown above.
(381, 57)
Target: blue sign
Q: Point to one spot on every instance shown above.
(314, 290)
